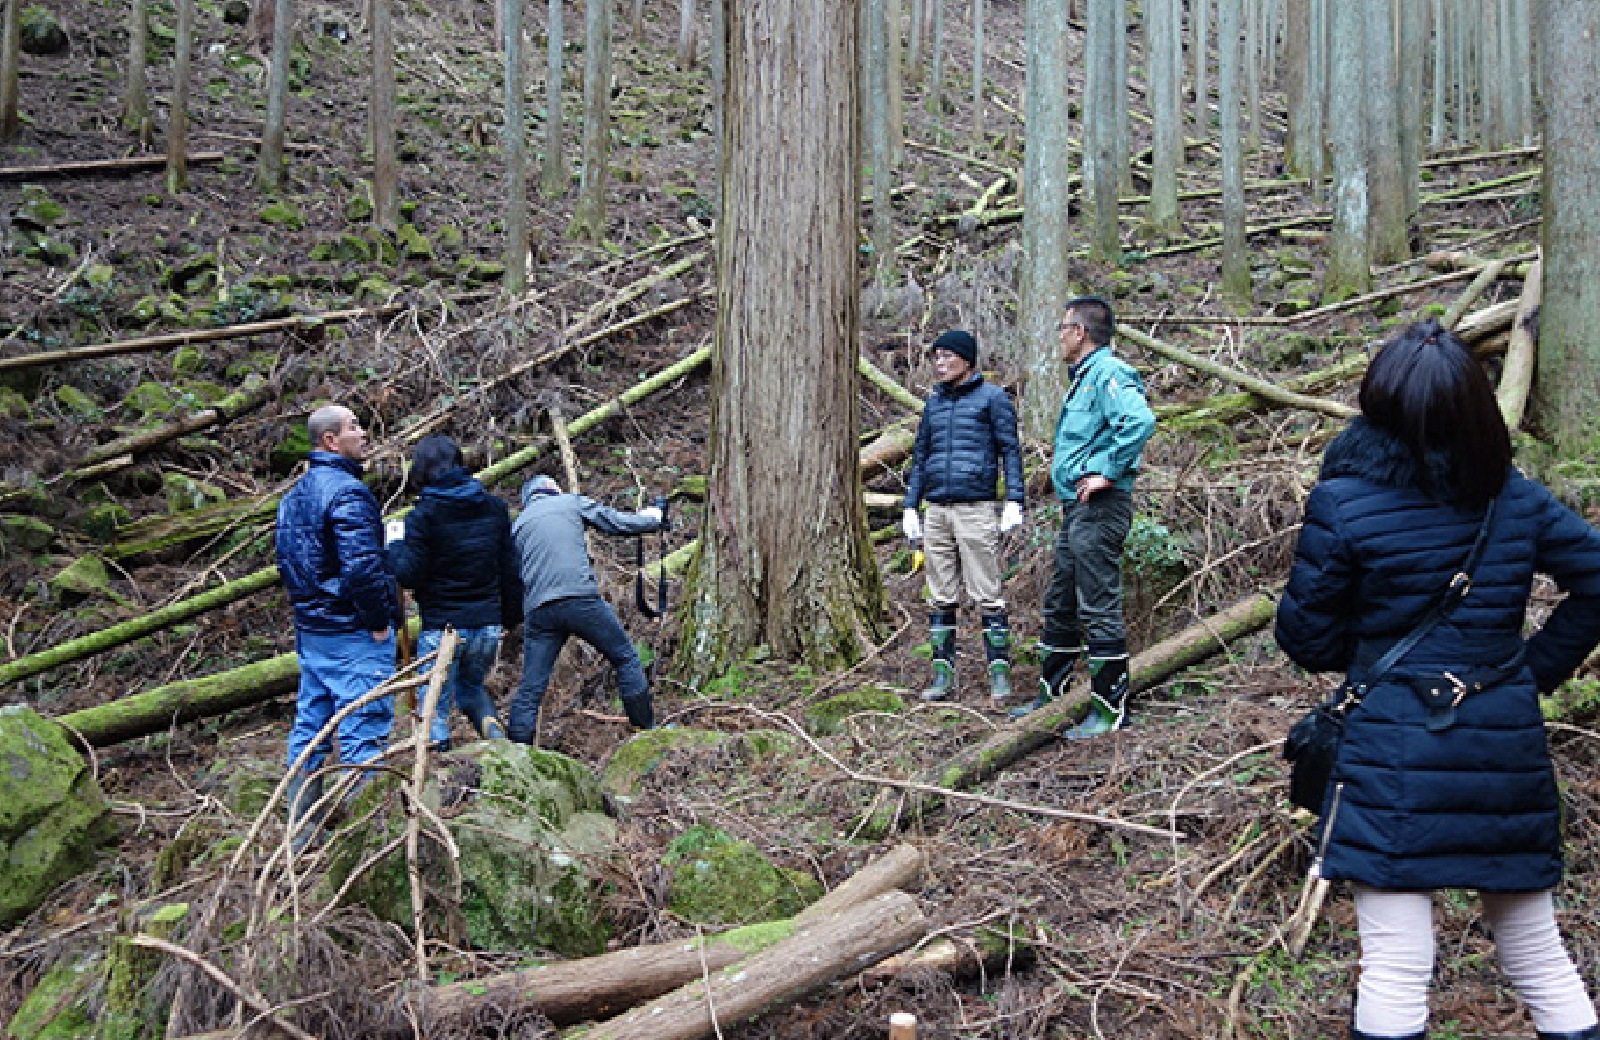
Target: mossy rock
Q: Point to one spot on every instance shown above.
(282, 214)
(185, 493)
(134, 1006)
(53, 817)
(147, 309)
(77, 403)
(40, 32)
(824, 718)
(100, 522)
(534, 850)
(151, 399)
(188, 359)
(347, 248)
(59, 1005)
(375, 289)
(413, 244)
(194, 276)
(718, 880)
(638, 757)
(291, 450)
(83, 578)
(359, 208)
(25, 533)
(14, 406)
(475, 272)
(253, 365)
(38, 211)
(450, 238)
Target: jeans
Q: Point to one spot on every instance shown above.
(1397, 960)
(474, 657)
(335, 670)
(544, 632)
(1084, 599)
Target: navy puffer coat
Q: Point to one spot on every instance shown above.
(330, 551)
(1470, 802)
(459, 557)
(967, 433)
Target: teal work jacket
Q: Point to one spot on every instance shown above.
(1103, 424)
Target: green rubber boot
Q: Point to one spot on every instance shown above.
(1108, 698)
(942, 641)
(1055, 671)
(997, 649)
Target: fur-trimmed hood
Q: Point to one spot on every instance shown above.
(1366, 451)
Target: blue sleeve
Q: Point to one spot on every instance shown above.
(1316, 623)
(363, 569)
(919, 456)
(1128, 417)
(1569, 551)
(409, 557)
(1003, 417)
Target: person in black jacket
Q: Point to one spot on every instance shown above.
(967, 434)
(1444, 777)
(456, 553)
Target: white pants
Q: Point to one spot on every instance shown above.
(1397, 960)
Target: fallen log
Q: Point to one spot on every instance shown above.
(164, 530)
(832, 948)
(1486, 276)
(241, 402)
(988, 758)
(137, 164)
(1516, 376)
(127, 631)
(892, 446)
(1262, 388)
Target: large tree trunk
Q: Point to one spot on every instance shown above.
(178, 114)
(1296, 86)
(1568, 381)
(1387, 230)
(589, 216)
(269, 161)
(1199, 34)
(785, 559)
(380, 121)
(1165, 46)
(1100, 131)
(1046, 226)
(978, 48)
(1348, 272)
(516, 132)
(881, 144)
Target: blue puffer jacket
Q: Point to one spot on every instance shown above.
(966, 434)
(330, 551)
(1469, 801)
(458, 556)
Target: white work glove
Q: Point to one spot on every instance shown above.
(393, 531)
(911, 524)
(1010, 517)
(652, 512)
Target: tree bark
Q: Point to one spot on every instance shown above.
(1100, 132)
(10, 69)
(1046, 222)
(516, 133)
(269, 161)
(1165, 47)
(553, 177)
(834, 948)
(978, 58)
(686, 40)
(1387, 232)
(589, 215)
(135, 93)
(1569, 351)
(178, 114)
(1199, 57)
(1235, 260)
(381, 120)
(878, 136)
(1349, 266)
(785, 559)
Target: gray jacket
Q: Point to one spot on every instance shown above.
(549, 539)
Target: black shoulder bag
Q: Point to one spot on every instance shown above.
(1313, 742)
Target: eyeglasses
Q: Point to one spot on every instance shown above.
(945, 355)
(1064, 326)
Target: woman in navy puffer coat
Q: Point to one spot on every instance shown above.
(1458, 793)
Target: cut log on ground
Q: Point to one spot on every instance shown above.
(92, 166)
(239, 403)
(1262, 388)
(830, 949)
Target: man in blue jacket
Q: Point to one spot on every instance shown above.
(331, 559)
(1104, 423)
(967, 437)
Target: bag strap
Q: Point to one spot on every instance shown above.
(1454, 593)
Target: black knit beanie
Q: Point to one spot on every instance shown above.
(960, 343)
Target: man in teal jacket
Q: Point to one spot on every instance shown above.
(1104, 423)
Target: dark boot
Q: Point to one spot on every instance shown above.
(1056, 661)
(997, 649)
(305, 820)
(942, 642)
(641, 711)
(1108, 698)
(1356, 1034)
(492, 730)
(1592, 1033)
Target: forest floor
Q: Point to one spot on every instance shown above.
(1122, 935)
